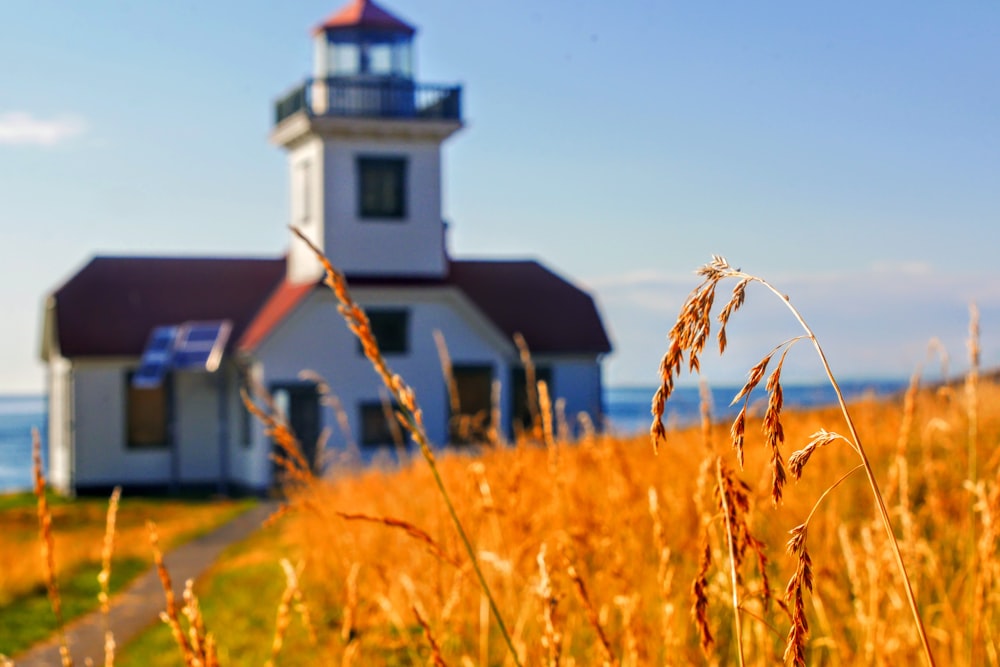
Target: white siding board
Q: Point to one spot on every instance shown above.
(248, 463)
(102, 457)
(196, 426)
(411, 246)
(60, 418)
(302, 263)
(578, 382)
(315, 337)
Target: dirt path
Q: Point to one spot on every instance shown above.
(140, 604)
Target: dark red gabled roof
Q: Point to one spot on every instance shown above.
(365, 15)
(552, 314)
(110, 306)
(273, 312)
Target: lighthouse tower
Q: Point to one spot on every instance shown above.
(364, 151)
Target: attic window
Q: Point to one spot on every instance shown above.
(391, 329)
(382, 188)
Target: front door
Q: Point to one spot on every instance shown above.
(299, 402)
(474, 386)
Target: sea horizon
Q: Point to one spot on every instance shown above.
(626, 407)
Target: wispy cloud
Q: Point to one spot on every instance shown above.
(19, 128)
(872, 322)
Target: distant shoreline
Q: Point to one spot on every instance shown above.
(626, 407)
(651, 387)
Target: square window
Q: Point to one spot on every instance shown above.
(146, 414)
(391, 329)
(379, 426)
(382, 187)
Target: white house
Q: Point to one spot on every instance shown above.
(363, 140)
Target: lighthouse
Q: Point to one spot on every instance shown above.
(363, 140)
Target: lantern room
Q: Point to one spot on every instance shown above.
(363, 68)
(364, 41)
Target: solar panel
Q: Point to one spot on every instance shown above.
(156, 358)
(200, 345)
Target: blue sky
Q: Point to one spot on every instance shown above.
(848, 151)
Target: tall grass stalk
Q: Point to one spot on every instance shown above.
(104, 578)
(48, 548)
(409, 413)
(690, 334)
(972, 413)
(733, 575)
(972, 391)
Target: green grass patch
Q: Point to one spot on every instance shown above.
(29, 619)
(26, 616)
(25, 499)
(239, 598)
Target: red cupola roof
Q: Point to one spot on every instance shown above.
(365, 15)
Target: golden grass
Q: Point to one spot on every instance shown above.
(543, 542)
(45, 542)
(607, 551)
(630, 524)
(546, 494)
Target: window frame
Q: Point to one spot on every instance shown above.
(245, 437)
(382, 438)
(165, 391)
(370, 204)
(377, 321)
(520, 408)
(474, 430)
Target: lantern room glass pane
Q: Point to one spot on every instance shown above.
(404, 59)
(380, 59)
(345, 59)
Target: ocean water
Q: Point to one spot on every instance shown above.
(18, 415)
(627, 412)
(628, 408)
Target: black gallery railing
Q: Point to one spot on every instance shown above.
(391, 98)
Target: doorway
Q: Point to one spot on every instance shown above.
(299, 402)
(474, 389)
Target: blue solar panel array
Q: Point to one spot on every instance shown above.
(199, 345)
(190, 346)
(156, 358)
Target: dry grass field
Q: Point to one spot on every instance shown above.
(607, 551)
(602, 540)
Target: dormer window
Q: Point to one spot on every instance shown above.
(382, 188)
